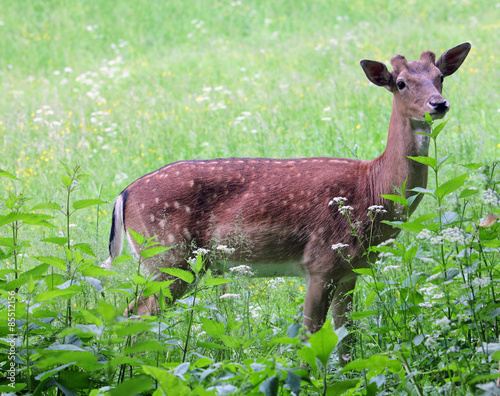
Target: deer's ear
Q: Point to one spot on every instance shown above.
(377, 73)
(452, 59)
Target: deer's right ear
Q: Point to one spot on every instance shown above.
(377, 73)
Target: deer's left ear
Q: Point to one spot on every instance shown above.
(377, 73)
(452, 59)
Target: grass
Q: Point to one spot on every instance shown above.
(122, 88)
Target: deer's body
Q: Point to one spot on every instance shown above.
(280, 210)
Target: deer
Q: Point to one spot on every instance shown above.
(283, 207)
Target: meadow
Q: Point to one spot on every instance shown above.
(98, 93)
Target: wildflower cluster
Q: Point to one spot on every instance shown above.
(490, 197)
(241, 270)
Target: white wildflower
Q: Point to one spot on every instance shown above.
(377, 209)
(388, 242)
(490, 197)
(274, 282)
(426, 304)
(453, 349)
(437, 240)
(326, 119)
(390, 267)
(225, 249)
(241, 270)
(345, 209)
(444, 323)
(339, 246)
(430, 342)
(481, 282)
(432, 277)
(229, 295)
(201, 251)
(385, 254)
(453, 234)
(424, 234)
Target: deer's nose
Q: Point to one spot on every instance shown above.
(440, 106)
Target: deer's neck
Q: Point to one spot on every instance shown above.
(393, 167)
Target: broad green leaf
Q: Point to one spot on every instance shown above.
(429, 161)
(138, 238)
(167, 382)
(428, 118)
(323, 341)
(341, 387)
(308, 354)
(66, 181)
(122, 259)
(270, 386)
(437, 129)
(467, 193)
(363, 271)
(90, 317)
(84, 248)
(157, 287)
(375, 363)
(53, 261)
(396, 198)
(443, 159)
(423, 190)
(363, 314)
(85, 203)
(473, 166)
(139, 280)
(94, 270)
(107, 311)
(26, 218)
(7, 175)
(198, 265)
(369, 299)
(56, 293)
(213, 328)
(47, 206)
(139, 385)
(184, 275)
(216, 281)
(451, 185)
(133, 328)
(151, 252)
(231, 342)
(56, 240)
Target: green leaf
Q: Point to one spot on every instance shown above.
(363, 314)
(26, 218)
(429, 161)
(375, 363)
(437, 129)
(211, 345)
(157, 287)
(323, 341)
(138, 238)
(184, 275)
(85, 203)
(231, 342)
(7, 174)
(168, 383)
(270, 386)
(363, 271)
(122, 259)
(94, 270)
(396, 198)
(53, 261)
(56, 293)
(61, 241)
(213, 328)
(154, 251)
(428, 118)
(216, 281)
(442, 159)
(309, 356)
(85, 248)
(451, 186)
(47, 206)
(139, 385)
(66, 181)
(467, 193)
(198, 265)
(341, 387)
(473, 166)
(423, 190)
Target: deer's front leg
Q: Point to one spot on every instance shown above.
(341, 306)
(318, 298)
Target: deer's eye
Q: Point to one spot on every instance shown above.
(401, 85)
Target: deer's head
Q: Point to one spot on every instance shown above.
(417, 85)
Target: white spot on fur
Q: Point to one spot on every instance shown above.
(177, 205)
(188, 209)
(170, 238)
(191, 183)
(162, 223)
(157, 199)
(143, 205)
(151, 218)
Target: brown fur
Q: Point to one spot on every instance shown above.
(281, 206)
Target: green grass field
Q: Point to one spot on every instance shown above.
(121, 88)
